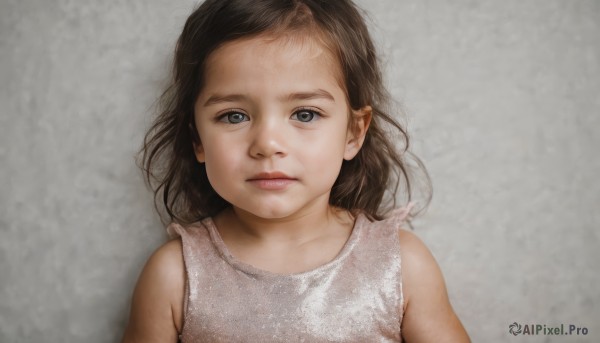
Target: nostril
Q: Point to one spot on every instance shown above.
(268, 139)
(267, 149)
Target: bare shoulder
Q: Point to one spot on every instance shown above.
(428, 314)
(413, 246)
(157, 303)
(416, 258)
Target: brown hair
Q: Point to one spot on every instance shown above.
(366, 182)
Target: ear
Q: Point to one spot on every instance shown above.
(199, 152)
(197, 142)
(360, 121)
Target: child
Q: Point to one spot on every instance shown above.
(272, 158)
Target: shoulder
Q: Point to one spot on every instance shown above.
(420, 271)
(157, 303)
(165, 267)
(164, 270)
(415, 254)
(426, 303)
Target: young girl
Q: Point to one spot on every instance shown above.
(273, 161)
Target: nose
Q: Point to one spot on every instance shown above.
(267, 140)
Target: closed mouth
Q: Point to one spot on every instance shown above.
(271, 176)
(273, 181)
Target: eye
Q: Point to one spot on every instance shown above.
(305, 115)
(233, 117)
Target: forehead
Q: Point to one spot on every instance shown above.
(267, 58)
(287, 45)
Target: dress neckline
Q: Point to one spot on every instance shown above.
(226, 254)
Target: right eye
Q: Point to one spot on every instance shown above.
(233, 117)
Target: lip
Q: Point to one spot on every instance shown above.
(271, 180)
(270, 176)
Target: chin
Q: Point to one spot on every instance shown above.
(271, 213)
(268, 212)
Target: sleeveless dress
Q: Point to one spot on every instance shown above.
(356, 297)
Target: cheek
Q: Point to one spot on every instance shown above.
(220, 162)
(324, 154)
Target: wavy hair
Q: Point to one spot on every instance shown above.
(370, 182)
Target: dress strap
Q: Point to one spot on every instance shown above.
(400, 215)
(175, 230)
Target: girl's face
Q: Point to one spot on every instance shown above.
(273, 124)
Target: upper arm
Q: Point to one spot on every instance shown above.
(156, 308)
(428, 315)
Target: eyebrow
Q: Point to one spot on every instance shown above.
(316, 94)
(217, 99)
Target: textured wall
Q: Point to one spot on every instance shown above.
(502, 102)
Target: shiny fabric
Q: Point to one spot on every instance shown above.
(357, 297)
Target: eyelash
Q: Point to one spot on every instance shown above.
(225, 116)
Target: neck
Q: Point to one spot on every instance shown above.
(294, 229)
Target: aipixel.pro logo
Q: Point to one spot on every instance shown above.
(546, 330)
(514, 328)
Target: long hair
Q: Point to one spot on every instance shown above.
(370, 182)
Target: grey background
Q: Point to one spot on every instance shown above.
(502, 102)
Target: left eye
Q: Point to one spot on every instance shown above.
(304, 115)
